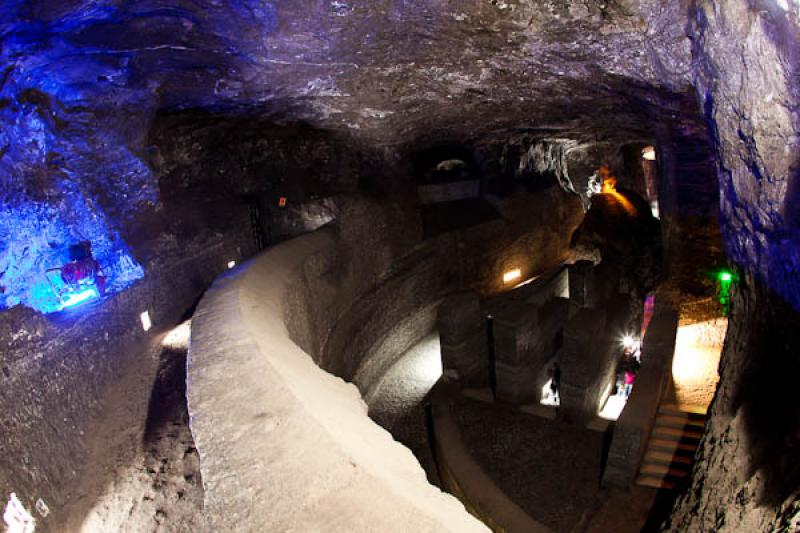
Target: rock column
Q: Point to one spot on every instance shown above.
(462, 332)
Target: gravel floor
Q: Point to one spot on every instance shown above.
(399, 400)
(550, 469)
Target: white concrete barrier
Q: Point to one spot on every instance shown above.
(284, 445)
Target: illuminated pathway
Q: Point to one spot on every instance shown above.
(398, 401)
(694, 367)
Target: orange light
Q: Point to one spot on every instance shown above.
(609, 186)
(512, 275)
(607, 179)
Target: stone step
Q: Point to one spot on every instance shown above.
(679, 421)
(655, 482)
(672, 445)
(666, 432)
(656, 456)
(672, 408)
(655, 470)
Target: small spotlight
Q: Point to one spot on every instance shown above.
(512, 275)
(649, 153)
(725, 276)
(629, 342)
(231, 264)
(146, 323)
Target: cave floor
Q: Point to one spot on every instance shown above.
(144, 475)
(698, 347)
(552, 470)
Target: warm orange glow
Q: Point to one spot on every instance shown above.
(609, 186)
(512, 275)
(694, 367)
(608, 180)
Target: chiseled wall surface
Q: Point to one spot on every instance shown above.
(285, 445)
(355, 304)
(59, 370)
(745, 479)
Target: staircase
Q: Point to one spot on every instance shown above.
(670, 450)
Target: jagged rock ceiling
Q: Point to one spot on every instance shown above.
(83, 81)
(392, 70)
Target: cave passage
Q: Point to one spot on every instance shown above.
(550, 248)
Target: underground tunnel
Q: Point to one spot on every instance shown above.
(399, 266)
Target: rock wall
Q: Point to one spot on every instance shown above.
(57, 371)
(746, 478)
(362, 298)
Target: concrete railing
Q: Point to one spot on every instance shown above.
(633, 427)
(284, 445)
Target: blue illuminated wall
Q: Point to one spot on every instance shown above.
(67, 172)
(79, 85)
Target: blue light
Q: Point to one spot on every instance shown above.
(79, 297)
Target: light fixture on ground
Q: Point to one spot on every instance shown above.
(649, 153)
(231, 264)
(145, 319)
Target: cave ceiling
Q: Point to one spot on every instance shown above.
(87, 85)
(390, 71)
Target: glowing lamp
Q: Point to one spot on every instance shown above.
(231, 264)
(629, 342)
(725, 276)
(512, 275)
(78, 298)
(145, 319)
(649, 153)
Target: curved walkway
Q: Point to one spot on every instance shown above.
(397, 402)
(284, 445)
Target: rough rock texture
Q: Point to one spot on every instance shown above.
(58, 373)
(159, 489)
(746, 478)
(398, 399)
(165, 132)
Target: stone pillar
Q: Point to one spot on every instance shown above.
(524, 340)
(462, 332)
(587, 365)
(582, 290)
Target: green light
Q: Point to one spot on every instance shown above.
(725, 276)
